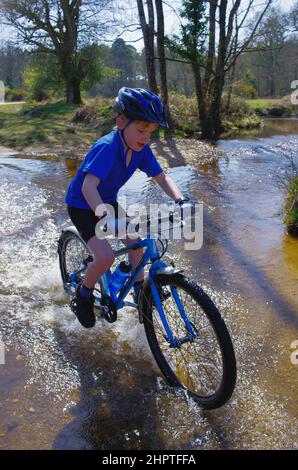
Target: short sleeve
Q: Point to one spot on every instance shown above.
(99, 161)
(149, 164)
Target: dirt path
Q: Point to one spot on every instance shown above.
(170, 152)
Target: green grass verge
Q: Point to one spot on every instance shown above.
(291, 207)
(51, 123)
(263, 103)
(273, 107)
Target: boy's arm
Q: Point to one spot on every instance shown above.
(168, 186)
(91, 194)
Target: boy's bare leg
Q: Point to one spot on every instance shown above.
(103, 260)
(134, 256)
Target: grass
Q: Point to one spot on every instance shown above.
(10, 108)
(263, 103)
(291, 207)
(248, 122)
(50, 123)
(50, 110)
(278, 107)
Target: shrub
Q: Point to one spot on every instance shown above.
(277, 111)
(85, 114)
(245, 90)
(184, 113)
(238, 107)
(261, 111)
(16, 94)
(42, 77)
(291, 207)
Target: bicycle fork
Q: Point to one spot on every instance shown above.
(191, 332)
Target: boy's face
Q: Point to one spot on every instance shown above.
(138, 133)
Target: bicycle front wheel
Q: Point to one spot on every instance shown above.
(204, 367)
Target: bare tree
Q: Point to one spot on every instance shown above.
(211, 62)
(230, 23)
(148, 36)
(293, 17)
(59, 27)
(161, 53)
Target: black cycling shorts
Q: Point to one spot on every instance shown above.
(85, 220)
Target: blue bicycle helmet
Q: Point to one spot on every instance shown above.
(140, 104)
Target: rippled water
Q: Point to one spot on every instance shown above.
(65, 387)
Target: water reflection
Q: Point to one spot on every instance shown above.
(111, 383)
(72, 166)
(290, 250)
(269, 128)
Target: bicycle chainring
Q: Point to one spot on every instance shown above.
(110, 311)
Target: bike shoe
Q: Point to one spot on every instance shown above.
(83, 309)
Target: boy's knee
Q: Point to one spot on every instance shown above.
(107, 260)
(111, 259)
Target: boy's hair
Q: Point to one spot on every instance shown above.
(138, 121)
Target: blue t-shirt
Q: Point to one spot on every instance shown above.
(106, 160)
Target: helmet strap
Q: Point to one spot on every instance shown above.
(122, 135)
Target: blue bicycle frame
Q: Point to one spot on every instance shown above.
(151, 253)
(157, 267)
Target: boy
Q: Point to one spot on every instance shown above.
(106, 168)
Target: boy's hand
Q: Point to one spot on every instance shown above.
(101, 211)
(180, 202)
(183, 205)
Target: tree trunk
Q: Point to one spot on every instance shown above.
(148, 36)
(232, 78)
(70, 73)
(209, 111)
(73, 92)
(161, 53)
(216, 115)
(204, 116)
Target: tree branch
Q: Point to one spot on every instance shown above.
(247, 42)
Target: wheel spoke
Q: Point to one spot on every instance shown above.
(74, 258)
(198, 365)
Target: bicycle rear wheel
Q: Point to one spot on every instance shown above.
(74, 257)
(205, 367)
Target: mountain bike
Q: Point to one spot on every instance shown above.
(185, 331)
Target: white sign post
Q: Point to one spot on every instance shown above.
(2, 92)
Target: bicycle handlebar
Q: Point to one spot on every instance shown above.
(123, 224)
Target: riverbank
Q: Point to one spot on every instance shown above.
(170, 152)
(68, 129)
(291, 205)
(54, 129)
(273, 108)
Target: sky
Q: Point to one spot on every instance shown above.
(171, 20)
